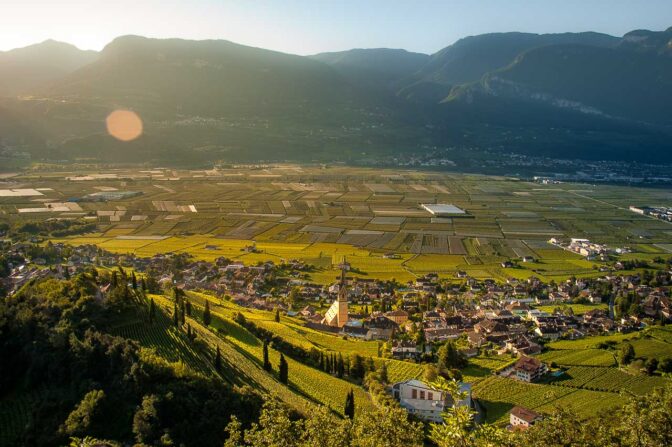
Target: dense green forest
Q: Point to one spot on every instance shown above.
(54, 342)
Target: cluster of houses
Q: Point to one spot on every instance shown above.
(584, 247)
(659, 212)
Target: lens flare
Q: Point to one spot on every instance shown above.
(124, 125)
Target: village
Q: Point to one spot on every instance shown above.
(410, 321)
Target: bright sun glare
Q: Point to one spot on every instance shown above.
(124, 125)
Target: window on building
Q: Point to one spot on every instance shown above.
(414, 393)
(430, 396)
(422, 394)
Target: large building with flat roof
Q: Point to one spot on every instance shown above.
(443, 209)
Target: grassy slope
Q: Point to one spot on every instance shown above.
(243, 350)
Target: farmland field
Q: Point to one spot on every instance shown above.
(318, 214)
(498, 395)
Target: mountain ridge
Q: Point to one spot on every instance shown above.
(213, 99)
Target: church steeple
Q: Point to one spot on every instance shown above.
(337, 315)
(342, 289)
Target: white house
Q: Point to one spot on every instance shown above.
(522, 418)
(425, 401)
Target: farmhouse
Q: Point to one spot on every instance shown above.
(522, 418)
(424, 401)
(405, 350)
(528, 369)
(398, 316)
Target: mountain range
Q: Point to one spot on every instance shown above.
(578, 95)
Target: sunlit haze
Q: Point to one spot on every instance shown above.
(307, 27)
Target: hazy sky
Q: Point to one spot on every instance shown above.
(312, 26)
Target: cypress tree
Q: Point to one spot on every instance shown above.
(283, 369)
(143, 284)
(183, 312)
(370, 366)
(206, 314)
(349, 408)
(277, 315)
(267, 363)
(383, 373)
(176, 318)
(134, 281)
(218, 360)
(113, 280)
(188, 308)
(340, 367)
(357, 369)
(152, 310)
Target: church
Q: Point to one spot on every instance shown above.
(337, 315)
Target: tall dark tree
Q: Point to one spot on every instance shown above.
(357, 368)
(370, 365)
(143, 284)
(188, 308)
(152, 310)
(134, 281)
(450, 357)
(218, 360)
(349, 408)
(267, 362)
(176, 317)
(283, 370)
(207, 318)
(383, 373)
(627, 354)
(340, 366)
(277, 315)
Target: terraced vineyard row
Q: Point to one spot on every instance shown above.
(291, 329)
(580, 357)
(398, 371)
(498, 395)
(170, 343)
(617, 381)
(308, 382)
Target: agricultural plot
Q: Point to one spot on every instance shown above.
(498, 395)
(168, 342)
(310, 213)
(577, 309)
(579, 357)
